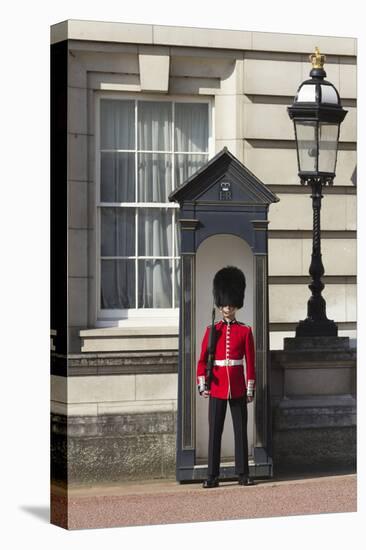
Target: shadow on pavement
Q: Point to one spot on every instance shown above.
(293, 475)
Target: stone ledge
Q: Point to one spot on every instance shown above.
(120, 339)
(108, 425)
(322, 343)
(313, 412)
(316, 401)
(115, 407)
(124, 363)
(86, 364)
(300, 358)
(127, 332)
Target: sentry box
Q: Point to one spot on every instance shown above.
(223, 221)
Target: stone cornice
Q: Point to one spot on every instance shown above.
(164, 35)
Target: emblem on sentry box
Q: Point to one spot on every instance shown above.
(225, 191)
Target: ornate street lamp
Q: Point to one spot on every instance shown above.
(317, 114)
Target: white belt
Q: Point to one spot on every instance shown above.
(228, 362)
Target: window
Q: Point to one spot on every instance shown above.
(146, 149)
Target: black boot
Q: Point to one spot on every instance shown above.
(245, 480)
(210, 482)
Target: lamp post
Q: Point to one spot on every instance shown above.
(317, 114)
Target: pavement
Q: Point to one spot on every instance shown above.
(156, 502)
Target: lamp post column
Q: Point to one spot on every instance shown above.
(316, 311)
(316, 303)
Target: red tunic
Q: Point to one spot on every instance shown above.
(233, 341)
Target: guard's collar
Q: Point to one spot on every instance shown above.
(229, 322)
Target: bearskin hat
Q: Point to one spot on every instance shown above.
(229, 287)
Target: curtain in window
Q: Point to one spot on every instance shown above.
(154, 126)
(190, 136)
(154, 185)
(118, 284)
(155, 275)
(117, 275)
(117, 124)
(117, 173)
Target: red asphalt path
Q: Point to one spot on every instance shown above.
(163, 502)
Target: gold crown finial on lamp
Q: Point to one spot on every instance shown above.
(317, 59)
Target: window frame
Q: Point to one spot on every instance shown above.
(121, 317)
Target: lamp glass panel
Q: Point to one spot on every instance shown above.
(307, 94)
(328, 94)
(306, 143)
(328, 144)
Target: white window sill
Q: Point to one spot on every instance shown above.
(139, 321)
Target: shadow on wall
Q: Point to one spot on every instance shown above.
(354, 176)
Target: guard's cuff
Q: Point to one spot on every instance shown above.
(201, 384)
(251, 388)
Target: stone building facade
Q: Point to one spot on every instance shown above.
(114, 363)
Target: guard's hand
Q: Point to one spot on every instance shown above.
(249, 398)
(205, 394)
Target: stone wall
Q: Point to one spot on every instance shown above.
(114, 417)
(108, 448)
(314, 405)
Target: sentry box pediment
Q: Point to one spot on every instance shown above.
(224, 197)
(224, 179)
(223, 220)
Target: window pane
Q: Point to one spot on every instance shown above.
(328, 141)
(177, 283)
(118, 284)
(186, 165)
(117, 177)
(117, 129)
(155, 284)
(118, 231)
(153, 183)
(154, 126)
(191, 127)
(155, 232)
(307, 143)
(155, 177)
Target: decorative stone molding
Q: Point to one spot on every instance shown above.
(149, 362)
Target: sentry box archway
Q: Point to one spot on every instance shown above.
(223, 220)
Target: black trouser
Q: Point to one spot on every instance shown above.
(216, 418)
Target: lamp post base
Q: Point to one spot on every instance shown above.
(310, 328)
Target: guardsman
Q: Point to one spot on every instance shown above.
(234, 342)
